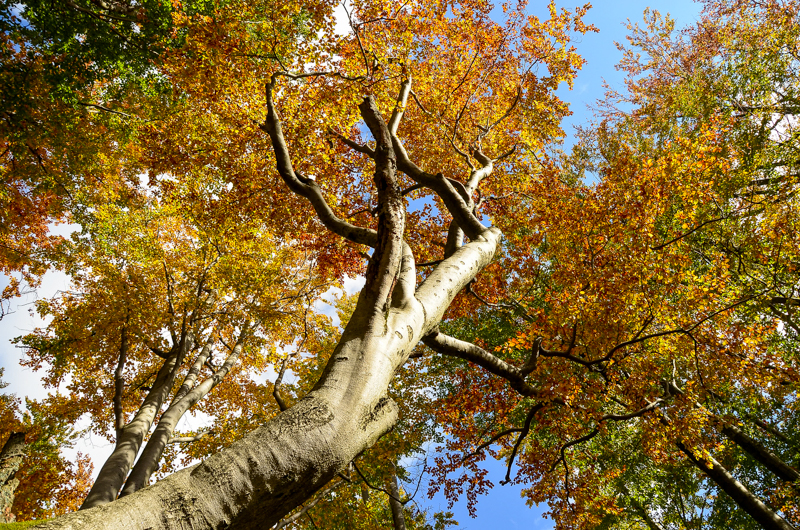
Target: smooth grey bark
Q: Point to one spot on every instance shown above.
(194, 371)
(761, 454)
(10, 460)
(453, 347)
(185, 398)
(313, 502)
(115, 469)
(748, 502)
(398, 515)
(262, 477)
(272, 470)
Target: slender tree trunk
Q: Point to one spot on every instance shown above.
(761, 454)
(151, 456)
(775, 432)
(748, 502)
(115, 469)
(398, 515)
(10, 460)
(119, 382)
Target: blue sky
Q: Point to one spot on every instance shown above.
(503, 507)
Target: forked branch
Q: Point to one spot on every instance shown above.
(306, 187)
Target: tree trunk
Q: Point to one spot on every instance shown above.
(10, 459)
(748, 502)
(272, 470)
(119, 382)
(151, 456)
(115, 469)
(259, 479)
(398, 516)
(761, 454)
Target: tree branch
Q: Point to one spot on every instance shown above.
(189, 439)
(523, 433)
(454, 202)
(307, 188)
(119, 381)
(275, 393)
(372, 487)
(453, 347)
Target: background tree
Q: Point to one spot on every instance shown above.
(36, 480)
(78, 81)
(164, 307)
(663, 282)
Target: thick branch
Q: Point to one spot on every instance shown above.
(453, 347)
(275, 392)
(194, 371)
(306, 187)
(385, 263)
(189, 439)
(407, 279)
(455, 239)
(772, 430)
(761, 454)
(458, 207)
(751, 504)
(398, 515)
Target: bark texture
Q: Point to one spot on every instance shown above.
(185, 398)
(115, 469)
(761, 454)
(271, 471)
(10, 460)
(398, 515)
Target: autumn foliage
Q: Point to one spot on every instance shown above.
(627, 352)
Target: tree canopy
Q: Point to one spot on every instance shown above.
(618, 324)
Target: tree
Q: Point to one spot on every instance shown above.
(78, 82)
(471, 122)
(651, 311)
(616, 335)
(36, 480)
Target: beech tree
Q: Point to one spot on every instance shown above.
(146, 274)
(303, 91)
(595, 335)
(36, 480)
